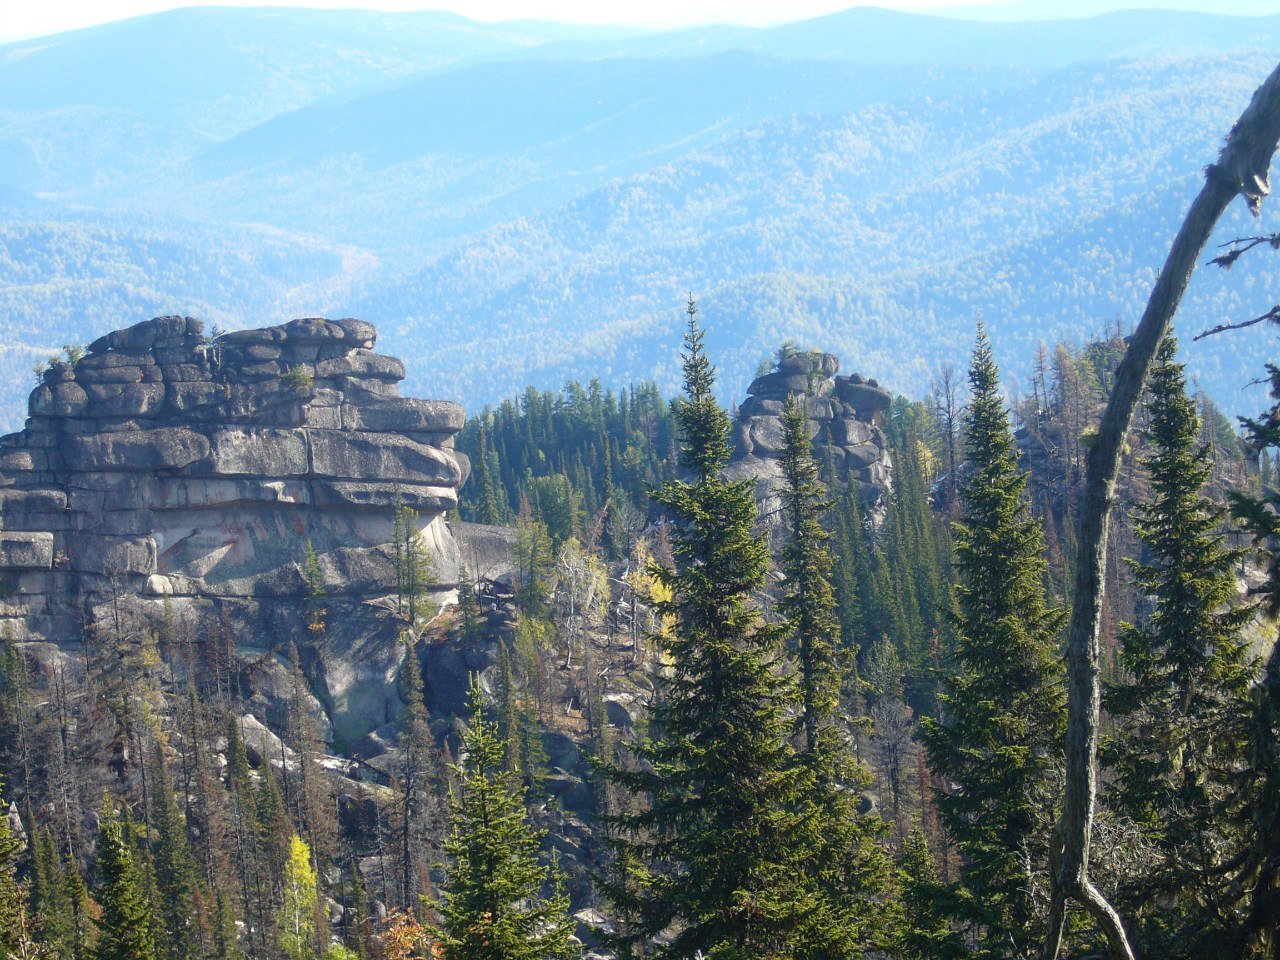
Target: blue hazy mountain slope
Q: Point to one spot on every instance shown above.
(80, 108)
(524, 203)
(462, 150)
(877, 36)
(1069, 9)
(880, 235)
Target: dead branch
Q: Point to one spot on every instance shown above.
(1226, 260)
(1273, 314)
(1242, 170)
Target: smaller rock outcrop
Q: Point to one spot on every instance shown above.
(846, 421)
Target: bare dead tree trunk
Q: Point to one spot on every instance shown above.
(1242, 168)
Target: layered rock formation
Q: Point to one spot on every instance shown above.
(186, 475)
(846, 421)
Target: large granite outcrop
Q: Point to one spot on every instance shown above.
(186, 473)
(846, 422)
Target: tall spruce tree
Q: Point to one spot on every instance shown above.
(808, 602)
(495, 905)
(1000, 732)
(849, 869)
(1183, 705)
(125, 924)
(719, 848)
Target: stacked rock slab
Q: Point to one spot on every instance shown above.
(846, 422)
(190, 474)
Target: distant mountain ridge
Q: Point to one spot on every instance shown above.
(517, 203)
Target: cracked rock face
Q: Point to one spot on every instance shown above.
(846, 421)
(190, 473)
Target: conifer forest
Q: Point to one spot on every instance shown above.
(296, 667)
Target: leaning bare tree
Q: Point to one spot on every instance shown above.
(1242, 169)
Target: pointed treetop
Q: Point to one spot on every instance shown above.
(703, 424)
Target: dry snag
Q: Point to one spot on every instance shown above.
(1242, 169)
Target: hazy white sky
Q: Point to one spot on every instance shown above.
(20, 19)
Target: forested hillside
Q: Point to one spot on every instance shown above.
(157, 813)
(850, 176)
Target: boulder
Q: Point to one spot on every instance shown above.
(260, 452)
(26, 551)
(263, 746)
(766, 436)
(862, 455)
(113, 374)
(358, 333)
(617, 708)
(163, 448)
(404, 415)
(363, 364)
(866, 398)
(58, 400)
(562, 751)
(778, 384)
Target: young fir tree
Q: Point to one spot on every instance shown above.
(125, 924)
(721, 847)
(534, 559)
(471, 629)
(925, 930)
(1000, 732)
(494, 907)
(849, 869)
(81, 931)
(48, 903)
(416, 777)
(488, 505)
(59, 902)
(356, 916)
(140, 850)
(244, 834)
(1183, 705)
(174, 866)
(313, 577)
(271, 819)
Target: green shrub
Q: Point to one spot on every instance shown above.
(297, 377)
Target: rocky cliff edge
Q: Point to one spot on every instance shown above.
(184, 476)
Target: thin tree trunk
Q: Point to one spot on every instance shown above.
(1242, 168)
